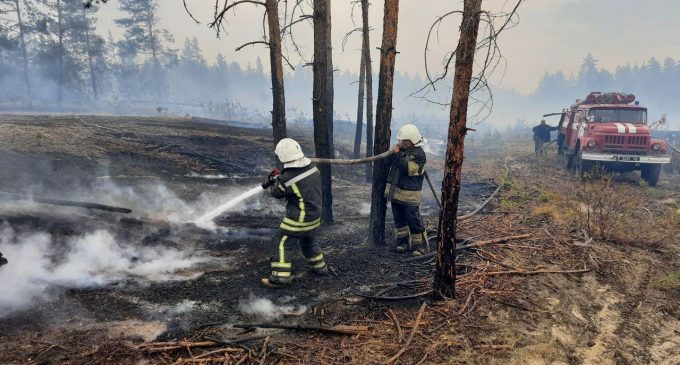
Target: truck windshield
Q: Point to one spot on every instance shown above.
(619, 115)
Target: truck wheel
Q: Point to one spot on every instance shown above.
(650, 173)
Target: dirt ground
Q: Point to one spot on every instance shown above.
(555, 296)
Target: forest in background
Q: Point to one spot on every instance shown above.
(52, 58)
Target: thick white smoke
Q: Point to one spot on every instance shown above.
(266, 309)
(36, 265)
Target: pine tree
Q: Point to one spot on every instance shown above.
(145, 38)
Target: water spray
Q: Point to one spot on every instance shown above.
(206, 219)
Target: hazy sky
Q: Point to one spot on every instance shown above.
(551, 35)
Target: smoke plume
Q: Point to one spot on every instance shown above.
(37, 265)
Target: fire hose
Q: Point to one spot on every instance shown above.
(334, 161)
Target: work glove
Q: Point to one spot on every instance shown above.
(271, 179)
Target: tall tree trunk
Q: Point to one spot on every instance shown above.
(366, 47)
(445, 275)
(24, 52)
(323, 101)
(90, 60)
(383, 120)
(276, 64)
(360, 105)
(60, 60)
(154, 50)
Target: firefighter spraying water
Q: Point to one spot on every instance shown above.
(299, 185)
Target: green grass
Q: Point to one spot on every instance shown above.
(668, 282)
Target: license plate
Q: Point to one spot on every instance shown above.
(626, 158)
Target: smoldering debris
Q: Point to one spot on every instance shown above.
(266, 309)
(38, 267)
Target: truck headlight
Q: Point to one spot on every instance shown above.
(656, 146)
(591, 144)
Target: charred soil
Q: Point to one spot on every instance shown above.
(554, 296)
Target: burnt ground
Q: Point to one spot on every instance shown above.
(623, 309)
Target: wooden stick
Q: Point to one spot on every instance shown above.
(410, 337)
(338, 330)
(471, 245)
(519, 272)
(412, 296)
(492, 241)
(396, 323)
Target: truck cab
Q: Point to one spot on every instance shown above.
(609, 131)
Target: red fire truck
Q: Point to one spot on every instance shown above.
(609, 131)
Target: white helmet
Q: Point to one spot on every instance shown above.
(288, 150)
(411, 132)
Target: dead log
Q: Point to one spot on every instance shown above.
(336, 330)
(67, 203)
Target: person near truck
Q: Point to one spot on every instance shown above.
(403, 190)
(542, 136)
(299, 184)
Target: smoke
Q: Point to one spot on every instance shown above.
(266, 309)
(38, 265)
(365, 209)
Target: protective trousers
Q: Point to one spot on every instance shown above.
(281, 264)
(538, 145)
(408, 224)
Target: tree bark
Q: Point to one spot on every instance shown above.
(276, 64)
(383, 120)
(154, 50)
(445, 274)
(24, 52)
(360, 105)
(366, 47)
(60, 59)
(323, 101)
(90, 61)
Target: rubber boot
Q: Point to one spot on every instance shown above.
(273, 283)
(417, 246)
(403, 245)
(321, 272)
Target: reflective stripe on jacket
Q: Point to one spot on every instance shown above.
(405, 178)
(301, 187)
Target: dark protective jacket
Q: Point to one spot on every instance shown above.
(405, 178)
(542, 132)
(301, 187)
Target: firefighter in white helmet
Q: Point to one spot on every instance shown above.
(404, 185)
(299, 183)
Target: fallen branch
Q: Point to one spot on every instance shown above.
(410, 337)
(535, 272)
(396, 323)
(337, 330)
(492, 241)
(67, 203)
(170, 346)
(472, 245)
(403, 297)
